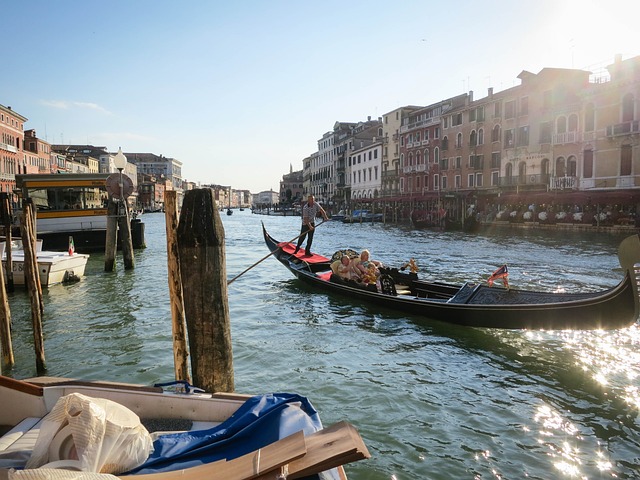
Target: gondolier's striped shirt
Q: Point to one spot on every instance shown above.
(309, 213)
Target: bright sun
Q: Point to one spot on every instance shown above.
(597, 30)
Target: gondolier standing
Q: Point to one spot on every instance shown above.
(309, 212)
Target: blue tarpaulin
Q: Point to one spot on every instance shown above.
(260, 421)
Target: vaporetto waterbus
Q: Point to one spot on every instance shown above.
(73, 204)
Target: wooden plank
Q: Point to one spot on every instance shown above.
(329, 448)
(249, 466)
(21, 386)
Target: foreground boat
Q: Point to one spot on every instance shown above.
(53, 267)
(195, 435)
(479, 305)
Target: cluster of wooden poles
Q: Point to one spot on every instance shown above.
(196, 265)
(115, 220)
(32, 281)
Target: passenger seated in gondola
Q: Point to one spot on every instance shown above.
(365, 264)
(343, 268)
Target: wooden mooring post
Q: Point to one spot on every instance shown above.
(6, 347)
(124, 226)
(201, 248)
(32, 281)
(112, 236)
(7, 221)
(118, 231)
(176, 298)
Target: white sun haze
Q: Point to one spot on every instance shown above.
(592, 31)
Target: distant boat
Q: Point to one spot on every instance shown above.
(53, 267)
(340, 216)
(360, 216)
(229, 211)
(73, 204)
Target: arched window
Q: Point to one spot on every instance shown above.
(402, 160)
(436, 155)
(561, 169)
(410, 158)
(572, 166)
(522, 172)
(427, 159)
(495, 134)
(544, 166)
(627, 108)
(561, 124)
(445, 143)
(473, 138)
(508, 172)
(573, 123)
(481, 136)
(459, 140)
(418, 157)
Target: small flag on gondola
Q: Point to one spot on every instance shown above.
(500, 274)
(72, 247)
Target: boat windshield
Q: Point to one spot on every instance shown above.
(68, 198)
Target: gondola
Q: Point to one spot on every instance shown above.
(479, 305)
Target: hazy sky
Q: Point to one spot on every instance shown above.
(238, 91)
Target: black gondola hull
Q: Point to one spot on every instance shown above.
(484, 306)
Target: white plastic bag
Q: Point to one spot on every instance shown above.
(91, 435)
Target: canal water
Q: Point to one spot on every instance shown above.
(431, 400)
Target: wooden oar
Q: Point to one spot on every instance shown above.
(267, 256)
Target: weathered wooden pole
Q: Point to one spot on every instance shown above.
(32, 282)
(112, 236)
(201, 249)
(5, 325)
(176, 298)
(7, 217)
(124, 226)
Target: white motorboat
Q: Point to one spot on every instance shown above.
(53, 423)
(53, 267)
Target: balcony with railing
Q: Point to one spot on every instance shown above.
(418, 124)
(567, 137)
(563, 183)
(8, 148)
(625, 128)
